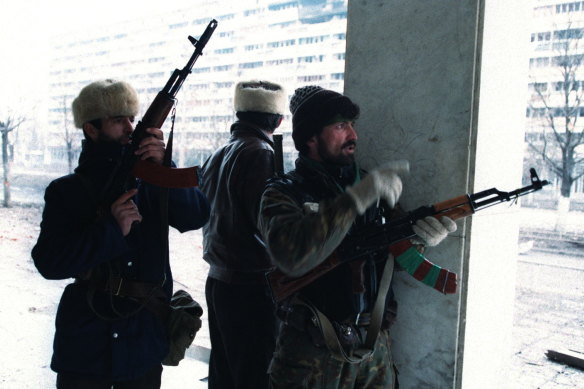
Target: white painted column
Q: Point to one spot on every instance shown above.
(443, 85)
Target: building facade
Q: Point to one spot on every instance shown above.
(294, 43)
(555, 107)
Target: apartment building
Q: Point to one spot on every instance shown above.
(294, 43)
(555, 108)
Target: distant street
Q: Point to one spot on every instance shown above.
(549, 314)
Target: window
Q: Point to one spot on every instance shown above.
(312, 39)
(222, 68)
(312, 58)
(220, 85)
(256, 46)
(310, 78)
(275, 62)
(178, 25)
(289, 42)
(251, 65)
(228, 50)
(281, 6)
(538, 86)
(202, 70)
(539, 62)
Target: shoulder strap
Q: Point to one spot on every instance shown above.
(329, 334)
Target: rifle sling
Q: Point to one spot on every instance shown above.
(329, 334)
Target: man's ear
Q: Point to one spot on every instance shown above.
(312, 148)
(90, 131)
(312, 141)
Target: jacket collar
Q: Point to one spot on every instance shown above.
(241, 129)
(98, 156)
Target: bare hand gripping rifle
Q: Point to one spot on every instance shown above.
(130, 166)
(372, 238)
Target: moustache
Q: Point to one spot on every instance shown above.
(349, 143)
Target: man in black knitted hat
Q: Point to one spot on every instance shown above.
(335, 330)
(242, 323)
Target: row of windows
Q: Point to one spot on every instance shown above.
(273, 62)
(227, 50)
(555, 112)
(573, 6)
(215, 118)
(570, 33)
(290, 42)
(562, 60)
(311, 58)
(557, 86)
(570, 7)
(281, 6)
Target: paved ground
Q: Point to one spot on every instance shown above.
(549, 310)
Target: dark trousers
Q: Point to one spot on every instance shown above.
(243, 329)
(150, 380)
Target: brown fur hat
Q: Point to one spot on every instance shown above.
(260, 96)
(104, 98)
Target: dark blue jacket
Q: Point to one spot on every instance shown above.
(77, 240)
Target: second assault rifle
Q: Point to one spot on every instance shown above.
(130, 165)
(372, 238)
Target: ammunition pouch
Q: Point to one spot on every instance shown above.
(181, 318)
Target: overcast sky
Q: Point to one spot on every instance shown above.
(26, 26)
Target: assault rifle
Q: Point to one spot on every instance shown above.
(372, 238)
(130, 165)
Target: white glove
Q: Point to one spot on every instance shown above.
(431, 231)
(383, 182)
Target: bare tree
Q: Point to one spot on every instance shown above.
(556, 106)
(8, 125)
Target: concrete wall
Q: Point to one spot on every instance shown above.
(427, 76)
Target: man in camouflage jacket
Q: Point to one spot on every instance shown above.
(304, 217)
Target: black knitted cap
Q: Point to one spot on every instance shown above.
(313, 108)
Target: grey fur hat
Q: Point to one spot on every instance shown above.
(104, 98)
(260, 96)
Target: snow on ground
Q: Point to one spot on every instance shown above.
(29, 303)
(549, 308)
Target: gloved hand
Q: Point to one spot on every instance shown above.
(431, 231)
(382, 182)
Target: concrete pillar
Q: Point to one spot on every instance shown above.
(442, 84)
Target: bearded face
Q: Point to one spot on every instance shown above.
(337, 143)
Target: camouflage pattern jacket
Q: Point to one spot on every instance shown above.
(304, 216)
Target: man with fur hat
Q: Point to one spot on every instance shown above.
(105, 336)
(242, 323)
(335, 330)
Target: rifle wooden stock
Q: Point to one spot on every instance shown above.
(373, 238)
(456, 208)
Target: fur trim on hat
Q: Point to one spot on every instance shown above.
(104, 98)
(260, 96)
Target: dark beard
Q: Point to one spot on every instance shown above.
(339, 160)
